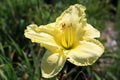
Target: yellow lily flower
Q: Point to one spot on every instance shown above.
(70, 38)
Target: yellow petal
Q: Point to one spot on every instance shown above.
(69, 23)
(52, 63)
(88, 32)
(43, 35)
(91, 32)
(86, 53)
(74, 16)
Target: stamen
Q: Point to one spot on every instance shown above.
(71, 24)
(63, 26)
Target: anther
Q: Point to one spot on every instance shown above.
(63, 26)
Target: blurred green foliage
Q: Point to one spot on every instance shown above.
(20, 59)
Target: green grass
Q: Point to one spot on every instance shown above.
(20, 58)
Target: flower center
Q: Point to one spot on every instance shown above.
(68, 36)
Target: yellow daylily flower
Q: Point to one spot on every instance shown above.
(70, 38)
